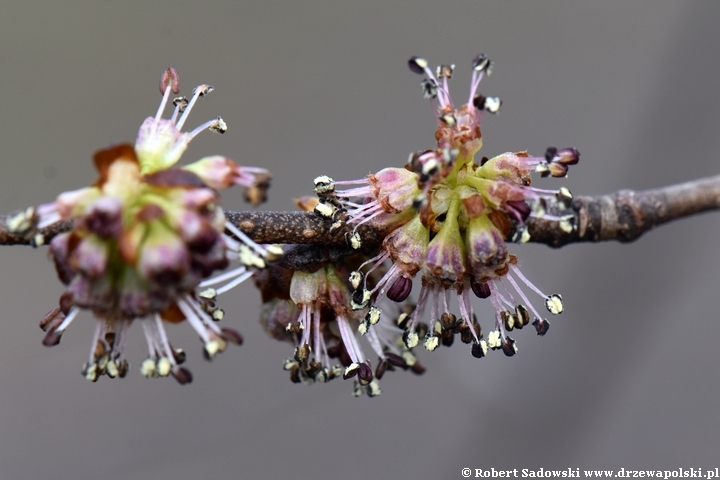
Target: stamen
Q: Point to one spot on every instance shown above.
(199, 91)
(223, 277)
(167, 349)
(522, 294)
(193, 319)
(245, 239)
(216, 125)
(234, 283)
(169, 82)
(180, 104)
(68, 320)
(96, 336)
(163, 102)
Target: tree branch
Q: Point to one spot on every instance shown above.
(626, 215)
(623, 216)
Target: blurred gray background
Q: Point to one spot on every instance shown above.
(628, 375)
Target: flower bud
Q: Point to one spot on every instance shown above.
(90, 257)
(164, 258)
(487, 250)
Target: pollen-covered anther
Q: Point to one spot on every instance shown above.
(180, 103)
(179, 355)
(539, 207)
(481, 63)
(218, 126)
(564, 196)
(429, 88)
(324, 185)
(542, 169)
(148, 369)
(509, 347)
(351, 370)
(202, 90)
(355, 240)
(494, 340)
(488, 104)
(302, 352)
(360, 299)
(432, 342)
(248, 257)
(444, 71)
(208, 294)
(403, 320)
(520, 234)
(448, 120)
(213, 346)
(90, 372)
(373, 315)
(373, 388)
(411, 339)
(289, 364)
(325, 209)
(356, 279)
(567, 223)
(163, 367)
(23, 223)
(554, 304)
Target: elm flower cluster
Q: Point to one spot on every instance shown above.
(312, 311)
(143, 237)
(446, 218)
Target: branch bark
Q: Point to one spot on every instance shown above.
(623, 216)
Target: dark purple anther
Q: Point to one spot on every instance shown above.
(52, 337)
(232, 336)
(380, 370)
(508, 347)
(550, 153)
(541, 326)
(182, 375)
(396, 360)
(480, 289)
(567, 156)
(417, 65)
(519, 207)
(365, 374)
(400, 289)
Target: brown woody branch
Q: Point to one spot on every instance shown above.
(623, 216)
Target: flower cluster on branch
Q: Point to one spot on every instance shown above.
(142, 239)
(143, 242)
